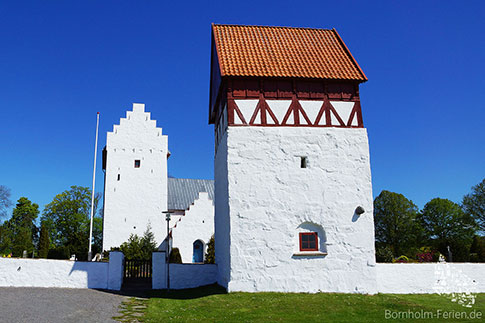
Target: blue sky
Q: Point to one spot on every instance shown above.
(62, 61)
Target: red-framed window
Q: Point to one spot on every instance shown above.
(308, 241)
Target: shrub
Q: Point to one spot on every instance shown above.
(426, 254)
(384, 254)
(474, 257)
(401, 259)
(210, 255)
(132, 248)
(477, 249)
(61, 252)
(425, 257)
(139, 248)
(175, 257)
(105, 254)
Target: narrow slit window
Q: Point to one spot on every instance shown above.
(303, 162)
(118, 177)
(137, 163)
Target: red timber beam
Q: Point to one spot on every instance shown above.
(268, 116)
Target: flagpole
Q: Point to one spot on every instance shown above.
(90, 253)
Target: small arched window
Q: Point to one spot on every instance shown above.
(310, 239)
(198, 253)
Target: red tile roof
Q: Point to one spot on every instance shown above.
(264, 51)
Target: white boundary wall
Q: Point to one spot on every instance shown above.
(24, 272)
(192, 275)
(430, 278)
(115, 270)
(181, 275)
(159, 271)
(426, 278)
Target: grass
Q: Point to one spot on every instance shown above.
(212, 304)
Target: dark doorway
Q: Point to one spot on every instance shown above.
(137, 274)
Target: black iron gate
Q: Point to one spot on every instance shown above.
(137, 274)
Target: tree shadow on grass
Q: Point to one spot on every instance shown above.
(190, 293)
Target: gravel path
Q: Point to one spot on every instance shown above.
(54, 305)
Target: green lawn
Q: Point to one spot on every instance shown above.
(211, 304)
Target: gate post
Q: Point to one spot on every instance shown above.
(159, 270)
(115, 270)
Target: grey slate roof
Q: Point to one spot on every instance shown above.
(182, 192)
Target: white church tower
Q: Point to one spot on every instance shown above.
(293, 191)
(135, 164)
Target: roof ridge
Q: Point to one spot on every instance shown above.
(267, 26)
(193, 179)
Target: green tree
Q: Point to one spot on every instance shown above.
(67, 220)
(474, 204)
(6, 238)
(43, 241)
(148, 243)
(5, 202)
(5, 234)
(447, 225)
(19, 233)
(98, 229)
(396, 223)
(23, 223)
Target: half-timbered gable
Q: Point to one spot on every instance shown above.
(280, 76)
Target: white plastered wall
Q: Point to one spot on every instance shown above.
(25, 272)
(266, 196)
(139, 197)
(196, 224)
(222, 225)
(181, 275)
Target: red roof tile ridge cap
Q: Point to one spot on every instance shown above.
(350, 54)
(266, 26)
